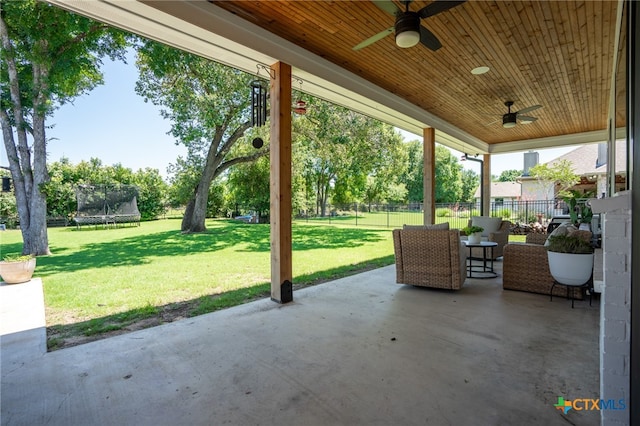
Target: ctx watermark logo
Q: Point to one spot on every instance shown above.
(588, 404)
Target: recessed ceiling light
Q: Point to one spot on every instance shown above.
(479, 70)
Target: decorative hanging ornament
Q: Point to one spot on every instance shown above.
(257, 143)
(258, 103)
(300, 107)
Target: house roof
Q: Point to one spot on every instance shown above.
(585, 159)
(502, 190)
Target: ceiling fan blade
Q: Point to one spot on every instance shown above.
(528, 109)
(387, 5)
(493, 122)
(526, 119)
(374, 38)
(428, 39)
(438, 6)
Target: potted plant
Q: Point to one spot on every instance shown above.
(474, 233)
(579, 212)
(570, 257)
(17, 268)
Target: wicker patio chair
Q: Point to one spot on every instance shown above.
(525, 268)
(501, 236)
(430, 258)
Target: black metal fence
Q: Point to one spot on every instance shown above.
(457, 214)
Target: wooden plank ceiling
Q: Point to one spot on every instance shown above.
(557, 54)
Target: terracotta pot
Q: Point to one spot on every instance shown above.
(17, 272)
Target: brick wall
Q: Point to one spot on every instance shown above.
(615, 312)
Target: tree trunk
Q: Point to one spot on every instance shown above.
(324, 196)
(27, 177)
(196, 211)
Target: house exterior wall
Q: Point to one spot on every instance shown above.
(615, 310)
(532, 189)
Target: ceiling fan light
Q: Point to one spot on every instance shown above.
(407, 30)
(407, 39)
(509, 120)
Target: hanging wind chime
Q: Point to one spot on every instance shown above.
(258, 107)
(258, 103)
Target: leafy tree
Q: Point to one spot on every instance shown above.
(208, 106)
(152, 193)
(413, 175)
(184, 177)
(448, 173)
(7, 201)
(48, 57)
(7, 205)
(559, 173)
(249, 185)
(216, 205)
(509, 175)
(470, 182)
(65, 177)
(341, 150)
(383, 182)
(59, 191)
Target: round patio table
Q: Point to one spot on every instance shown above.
(486, 270)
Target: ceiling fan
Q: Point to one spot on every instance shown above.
(510, 119)
(407, 27)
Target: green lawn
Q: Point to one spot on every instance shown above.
(131, 271)
(392, 219)
(100, 280)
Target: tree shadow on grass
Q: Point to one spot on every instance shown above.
(67, 335)
(140, 249)
(10, 249)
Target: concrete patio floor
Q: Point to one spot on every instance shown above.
(359, 350)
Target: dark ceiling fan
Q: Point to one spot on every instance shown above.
(510, 119)
(407, 27)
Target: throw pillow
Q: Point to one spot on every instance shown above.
(443, 225)
(490, 224)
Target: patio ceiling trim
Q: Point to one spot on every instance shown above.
(554, 141)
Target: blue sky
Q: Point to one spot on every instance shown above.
(114, 124)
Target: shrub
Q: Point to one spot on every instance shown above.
(443, 212)
(570, 243)
(504, 213)
(530, 218)
(474, 212)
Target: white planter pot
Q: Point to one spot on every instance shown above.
(17, 272)
(570, 269)
(475, 238)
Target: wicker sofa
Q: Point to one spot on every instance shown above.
(525, 268)
(430, 258)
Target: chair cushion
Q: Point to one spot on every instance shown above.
(490, 224)
(443, 225)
